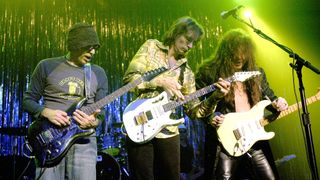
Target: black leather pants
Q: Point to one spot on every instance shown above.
(255, 160)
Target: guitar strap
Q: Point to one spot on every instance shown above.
(183, 68)
(87, 79)
(176, 114)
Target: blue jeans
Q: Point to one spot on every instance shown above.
(78, 164)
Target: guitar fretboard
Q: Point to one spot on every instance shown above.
(89, 109)
(108, 99)
(174, 104)
(239, 76)
(294, 107)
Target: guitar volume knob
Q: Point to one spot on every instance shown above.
(48, 151)
(58, 143)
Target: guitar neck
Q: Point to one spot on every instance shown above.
(292, 109)
(174, 104)
(111, 97)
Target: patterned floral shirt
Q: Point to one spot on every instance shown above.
(152, 55)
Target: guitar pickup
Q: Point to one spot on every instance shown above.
(141, 118)
(237, 134)
(149, 115)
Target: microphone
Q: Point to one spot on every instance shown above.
(226, 14)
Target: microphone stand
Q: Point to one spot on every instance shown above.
(299, 63)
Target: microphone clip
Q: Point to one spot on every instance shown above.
(226, 14)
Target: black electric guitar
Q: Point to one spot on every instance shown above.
(49, 143)
(240, 131)
(145, 118)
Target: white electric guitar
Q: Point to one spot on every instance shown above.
(240, 131)
(145, 118)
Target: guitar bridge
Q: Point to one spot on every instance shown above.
(143, 117)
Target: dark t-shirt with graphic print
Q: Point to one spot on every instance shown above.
(60, 85)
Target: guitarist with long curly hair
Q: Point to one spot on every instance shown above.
(235, 52)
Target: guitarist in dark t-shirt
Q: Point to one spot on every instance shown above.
(61, 83)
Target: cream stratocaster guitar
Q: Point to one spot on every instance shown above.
(240, 131)
(50, 143)
(145, 118)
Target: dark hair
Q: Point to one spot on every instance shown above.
(180, 27)
(230, 45)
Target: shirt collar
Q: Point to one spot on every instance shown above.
(164, 48)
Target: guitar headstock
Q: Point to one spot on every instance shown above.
(153, 73)
(244, 75)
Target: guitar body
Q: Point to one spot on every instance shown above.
(50, 143)
(145, 118)
(240, 131)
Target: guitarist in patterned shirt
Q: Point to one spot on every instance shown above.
(160, 157)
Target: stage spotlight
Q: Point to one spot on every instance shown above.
(247, 14)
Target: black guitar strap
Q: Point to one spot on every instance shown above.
(183, 69)
(176, 114)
